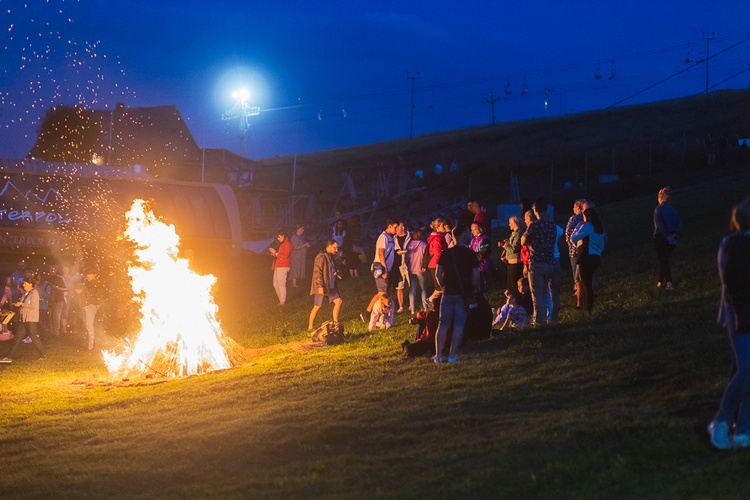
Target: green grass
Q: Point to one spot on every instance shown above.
(611, 404)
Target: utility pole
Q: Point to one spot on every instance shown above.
(411, 121)
(708, 56)
(547, 92)
(492, 100)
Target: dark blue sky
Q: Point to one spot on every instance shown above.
(346, 63)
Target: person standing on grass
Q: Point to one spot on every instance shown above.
(458, 276)
(323, 284)
(573, 223)
(734, 314)
(385, 259)
(281, 265)
(57, 300)
(667, 228)
(28, 324)
(436, 244)
(299, 255)
(541, 237)
(401, 241)
(589, 238)
(415, 256)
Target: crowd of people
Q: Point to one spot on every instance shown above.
(36, 307)
(443, 269)
(440, 273)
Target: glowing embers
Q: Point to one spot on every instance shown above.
(179, 333)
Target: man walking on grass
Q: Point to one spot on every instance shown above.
(323, 284)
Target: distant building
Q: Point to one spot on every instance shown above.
(150, 140)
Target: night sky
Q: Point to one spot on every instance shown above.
(335, 74)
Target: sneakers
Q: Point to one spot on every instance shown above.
(719, 432)
(399, 310)
(437, 359)
(6, 360)
(27, 340)
(740, 440)
(363, 317)
(453, 359)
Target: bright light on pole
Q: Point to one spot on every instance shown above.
(241, 111)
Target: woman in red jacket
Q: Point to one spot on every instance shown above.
(281, 265)
(436, 243)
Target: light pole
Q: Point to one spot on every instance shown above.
(241, 111)
(708, 56)
(411, 120)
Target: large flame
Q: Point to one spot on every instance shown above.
(179, 332)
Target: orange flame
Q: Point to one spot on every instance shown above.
(179, 333)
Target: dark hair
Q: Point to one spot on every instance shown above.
(525, 205)
(462, 236)
(281, 232)
(416, 234)
(740, 216)
(331, 242)
(592, 216)
(392, 222)
(540, 205)
(31, 278)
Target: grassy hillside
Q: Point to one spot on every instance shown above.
(608, 404)
(644, 144)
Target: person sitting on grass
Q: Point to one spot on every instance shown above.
(382, 313)
(512, 315)
(524, 296)
(427, 325)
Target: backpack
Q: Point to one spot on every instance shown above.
(329, 333)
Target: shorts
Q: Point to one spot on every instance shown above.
(333, 294)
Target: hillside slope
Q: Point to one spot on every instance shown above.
(642, 144)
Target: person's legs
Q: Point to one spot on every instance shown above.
(445, 322)
(279, 283)
(311, 320)
(663, 251)
(555, 281)
(412, 291)
(56, 310)
(33, 332)
(20, 334)
(537, 284)
(423, 291)
(317, 303)
(89, 312)
(737, 393)
(586, 285)
(337, 309)
(459, 322)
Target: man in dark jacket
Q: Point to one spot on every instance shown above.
(323, 284)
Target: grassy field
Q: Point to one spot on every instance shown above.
(608, 404)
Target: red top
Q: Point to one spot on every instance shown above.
(436, 244)
(284, 255)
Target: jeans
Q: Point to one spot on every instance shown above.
(452, 313)
(56, 311)
(544, 276)
(27, 329)
(736, 399)
(280, 275)
(88, 315)
(417, 280)
(663, 251)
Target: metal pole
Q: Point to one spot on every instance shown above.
(708, 56)
(411, 122)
